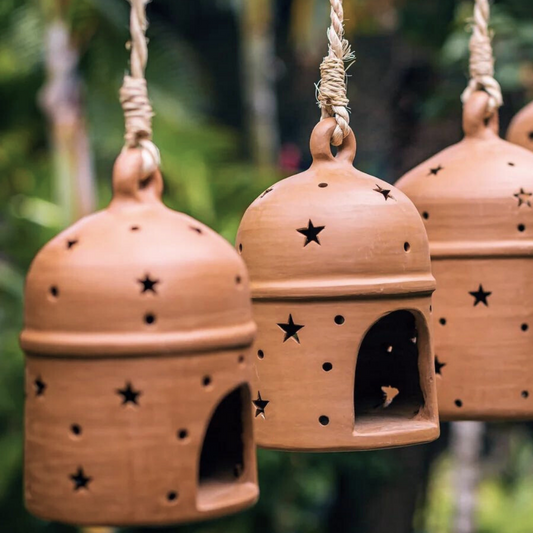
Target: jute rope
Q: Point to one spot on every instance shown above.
(332, 89)
(138, 111)
(482, 59)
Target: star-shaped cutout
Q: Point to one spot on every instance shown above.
(260, 405)
(438, 366)
(40, 386)
(71, 243)
(270, 189)
(523, 197)
(480, 296)
(435, 171)
(80, 479)
(311, 233)
(385, 192)
(129, 394)
(148, 284)
(291, 330)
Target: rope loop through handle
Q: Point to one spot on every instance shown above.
(134, 98)
(482, 60)
(332, 90)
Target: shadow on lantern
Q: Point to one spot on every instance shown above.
(226, 451)
(387, 378)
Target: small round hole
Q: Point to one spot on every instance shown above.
(521, 227)
(172, 496)
(425, 215)
(183, 434)
(327, 367)
(197, 230)
(75, 429)
(54, 291)
(149, 318)
(240, 247)
(524, 327)
(241, 359)
(324, 420)
(431, 309)
(135, 228)
(511, 164)
(260, 354)
(442, 321)
(322, 185)
(459, 403)
(525, 394)
(238, 280)
(206, 381)
(406, 246)
(339, 320)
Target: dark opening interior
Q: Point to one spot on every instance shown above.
(387, 379)
(222, 459)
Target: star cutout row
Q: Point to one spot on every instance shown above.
(80, 479)
(435, 171)
(523, 197)
(439, 366)
(291, 330)
(480, 296)
(311, 233)
(385, 192)
(260, 405)
(129, 394)
(148, 284)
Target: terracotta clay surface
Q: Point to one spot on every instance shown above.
(137, 333)
(476, 199)
(341, 283)
(521, 128)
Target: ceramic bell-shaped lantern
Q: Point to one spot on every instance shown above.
(341, 284)
(521, 128)
(476, 199)
(137, 336)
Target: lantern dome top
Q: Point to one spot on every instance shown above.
(521, 128)
(136, 278)
(475, 194)
(334, 231)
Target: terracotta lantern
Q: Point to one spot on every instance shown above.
(476, 199)
(521, 128)
(137, 336)
(341, 285)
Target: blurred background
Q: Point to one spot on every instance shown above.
(232, 83)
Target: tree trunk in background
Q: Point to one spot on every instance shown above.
(259, 79)
(466, 446)
(61, 100)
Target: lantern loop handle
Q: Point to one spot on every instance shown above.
(475, 123)
(331, 91)
(321, 143)
(482, 60)
(136, 105)
(130, 181)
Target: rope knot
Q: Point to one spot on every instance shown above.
(482, 60)
(137, 111)
(332, 90)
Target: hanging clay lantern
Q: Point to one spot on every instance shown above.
(476, 199)
(137, 336)
(521, 128)
(341, 284)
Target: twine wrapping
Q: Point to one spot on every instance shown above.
(332, 89)
(482, 60)
(136, 105)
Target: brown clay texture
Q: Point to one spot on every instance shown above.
(476, 199)
(138, 330)
(341, 283)
(521, 129)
